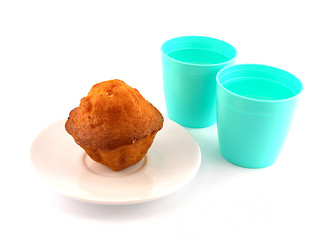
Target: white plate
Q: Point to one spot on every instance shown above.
(171, 162)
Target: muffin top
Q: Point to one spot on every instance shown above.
(113, 114)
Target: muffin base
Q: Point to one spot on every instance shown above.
(121, 157)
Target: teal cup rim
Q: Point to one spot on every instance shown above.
(203, 39)
(262, 68)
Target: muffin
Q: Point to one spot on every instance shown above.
(114, 124)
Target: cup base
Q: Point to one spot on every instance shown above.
(250, 165)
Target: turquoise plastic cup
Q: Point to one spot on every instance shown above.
(255, 106)
(190, 65)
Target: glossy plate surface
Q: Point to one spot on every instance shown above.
(172, 161)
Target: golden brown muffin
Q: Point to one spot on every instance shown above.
(114, 124)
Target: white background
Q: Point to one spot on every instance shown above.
(52, 52)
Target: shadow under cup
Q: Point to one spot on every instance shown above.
(255, 106)
(190, 65)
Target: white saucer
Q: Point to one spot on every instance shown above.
(172, 161)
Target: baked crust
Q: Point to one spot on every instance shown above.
(124, 156)
(114, 118)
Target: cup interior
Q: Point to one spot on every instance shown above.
(259, 82)
(199, 50)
